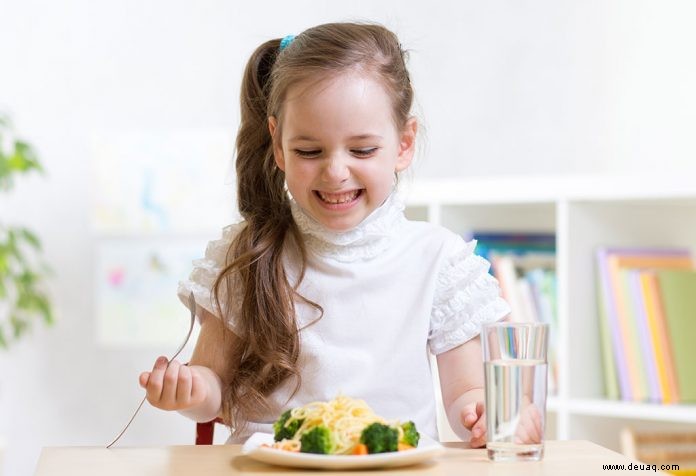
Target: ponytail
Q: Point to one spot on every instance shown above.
(266, 352)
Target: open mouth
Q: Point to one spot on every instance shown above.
(339, 198)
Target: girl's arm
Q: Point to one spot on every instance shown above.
(209, 360)
(195, 390)
(461, 381)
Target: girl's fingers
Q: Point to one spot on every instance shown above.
(539, 423)
(521, 435)
(469, 420)
(199, 389)
(171, 378)
(529, 428)
(478, 441)
(479, 428)
(478, 433)
(474, 420)
(143, 379)
(173, 386)
(183, 386)
(156, 381)
(533, 424)
(471, 414)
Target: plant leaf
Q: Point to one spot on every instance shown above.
(4, 265)
(24, 158)
(17, 275)
(43, 307)
(19, 325)
(26, 279)
(30, 238)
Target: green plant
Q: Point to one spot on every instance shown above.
(22, 269)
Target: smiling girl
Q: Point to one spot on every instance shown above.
(325, 287)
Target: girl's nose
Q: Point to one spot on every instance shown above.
(335, 170)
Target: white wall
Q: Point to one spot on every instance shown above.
(504, 87)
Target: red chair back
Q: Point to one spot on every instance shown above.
(205, 432)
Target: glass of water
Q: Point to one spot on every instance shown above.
(515, 366)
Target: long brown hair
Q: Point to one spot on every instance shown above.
(254, 286)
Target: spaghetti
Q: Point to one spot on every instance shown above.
(344, 417)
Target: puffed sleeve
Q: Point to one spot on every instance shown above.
(466, 297)
(205, 272)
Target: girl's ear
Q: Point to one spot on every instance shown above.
(277, 148)
(407, 144)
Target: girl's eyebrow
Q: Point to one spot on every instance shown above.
(360, 136)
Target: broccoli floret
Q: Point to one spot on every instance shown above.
(284, 430)
(411, 435)
(317, 440)
(380, 438)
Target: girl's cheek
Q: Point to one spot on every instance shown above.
(307, 166)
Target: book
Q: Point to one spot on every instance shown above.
(678, 291)
(609, 362)
(660, 340)
(512, 243)
(628, 361)
(636, 312)
(510, 271)
(503, 269)
(629, 332)
(542, 284)
(526, 238)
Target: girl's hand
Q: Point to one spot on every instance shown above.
(474, 420)
(529, 429)
(174, 386)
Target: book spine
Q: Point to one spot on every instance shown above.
(636, 370)
(611, 383)
(658, 336)
(646, 349)
(610, 308)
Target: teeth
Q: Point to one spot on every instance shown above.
(335, 198)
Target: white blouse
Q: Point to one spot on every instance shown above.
(392, 290)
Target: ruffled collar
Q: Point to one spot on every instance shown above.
(368, 239)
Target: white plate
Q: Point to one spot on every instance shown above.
(427, 449)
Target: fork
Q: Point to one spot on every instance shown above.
(192, 306)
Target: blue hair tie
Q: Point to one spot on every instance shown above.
(285, 42)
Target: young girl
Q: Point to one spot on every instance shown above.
(325, 287)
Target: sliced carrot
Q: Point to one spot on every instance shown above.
(360, 449)
(404, 447)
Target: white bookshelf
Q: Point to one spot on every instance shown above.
(584, 212)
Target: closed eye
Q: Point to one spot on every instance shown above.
(364, 152)
(307, 153)
(315, 153)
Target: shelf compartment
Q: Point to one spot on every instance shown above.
(417, 213)
(503, 217)
(656, 223)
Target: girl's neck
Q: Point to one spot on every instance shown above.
(369, 238)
